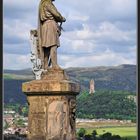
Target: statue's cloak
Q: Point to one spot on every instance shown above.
(48, 31)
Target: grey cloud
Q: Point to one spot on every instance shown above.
(115, 48)
(17, 48)
(111, 42)
(12, 40)
(15, 13)
(97, 11)
(72, 25)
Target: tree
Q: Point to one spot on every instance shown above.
(25, 111)
(6, 125)
(106, 136)
(88, 137)
(81, 132)
(116, 137)
(94, 133)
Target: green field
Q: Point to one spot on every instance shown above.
(127, 132)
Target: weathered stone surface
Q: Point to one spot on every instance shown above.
(54, 74)
(47, 87)
(52, 117)
(52, 106)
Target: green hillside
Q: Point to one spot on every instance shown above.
(106, 104)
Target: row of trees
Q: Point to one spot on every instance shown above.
(81, 135)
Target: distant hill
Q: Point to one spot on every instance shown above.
(19, 72)
(13, 91)
(122, 77)
(116, 78)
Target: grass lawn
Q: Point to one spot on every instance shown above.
(127, 132)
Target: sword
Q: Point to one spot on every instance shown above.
(60, 27)
(49, 63)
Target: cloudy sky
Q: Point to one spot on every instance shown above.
(97, 32)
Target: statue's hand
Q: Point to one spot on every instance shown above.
(63, 19)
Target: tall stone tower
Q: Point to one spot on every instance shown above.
(92, 87)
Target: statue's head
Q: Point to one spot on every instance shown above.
(53, 0)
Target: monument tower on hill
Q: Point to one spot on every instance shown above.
(92, 87)
(52, 96)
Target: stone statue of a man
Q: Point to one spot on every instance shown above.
(48, 33)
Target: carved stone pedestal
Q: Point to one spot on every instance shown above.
(52, 106)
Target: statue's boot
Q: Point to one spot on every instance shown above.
(41, 56)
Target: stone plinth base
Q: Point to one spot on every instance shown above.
(52, 106)
(50, 87)
(54, 74)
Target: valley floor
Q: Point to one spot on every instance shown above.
(100, 123)
(125, 130)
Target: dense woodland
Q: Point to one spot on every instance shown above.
(107, 105)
